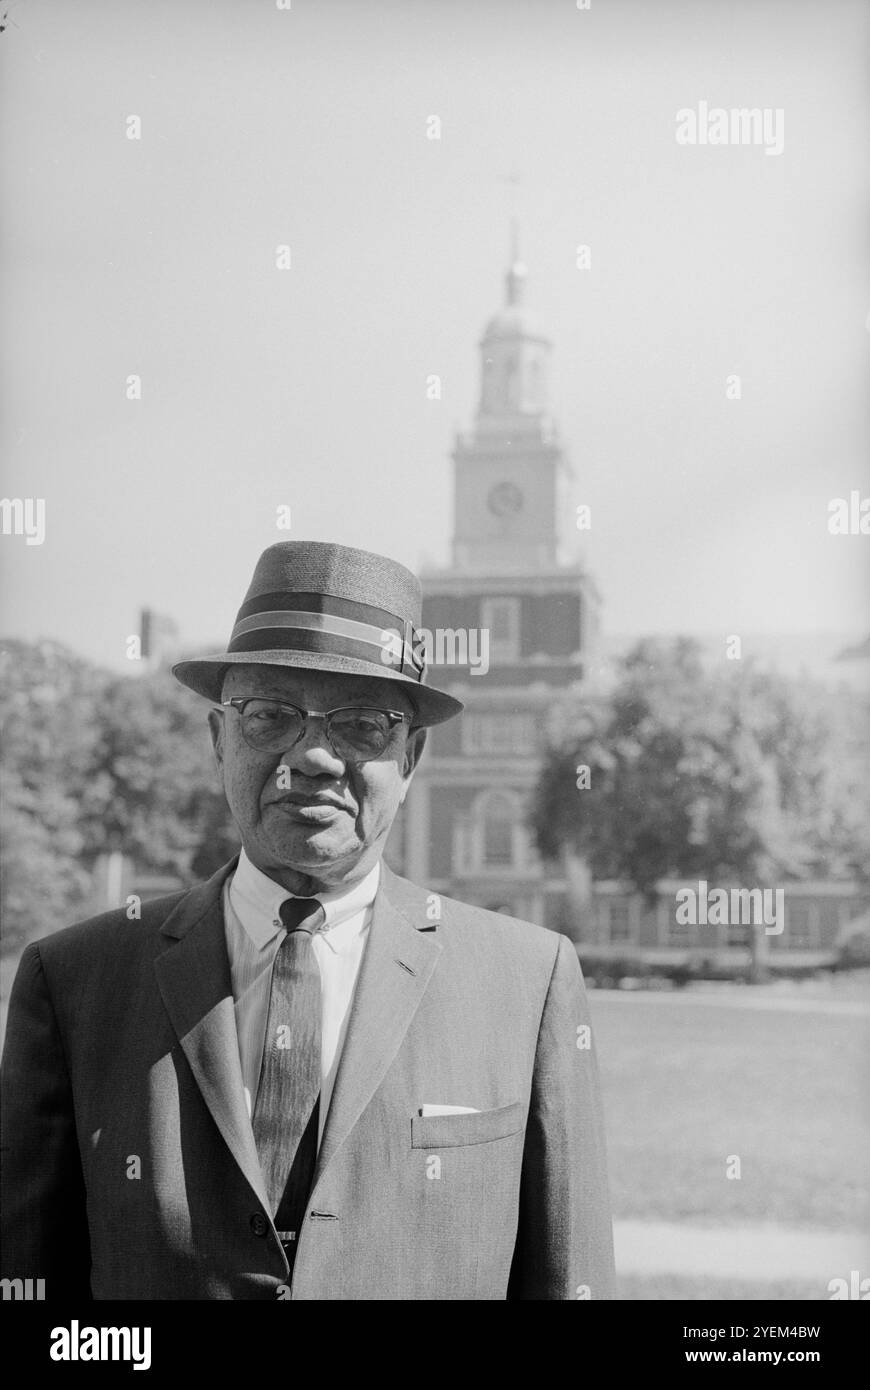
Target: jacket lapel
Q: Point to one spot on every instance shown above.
(396, 968)
(194, 979)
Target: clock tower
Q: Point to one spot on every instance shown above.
(510, 474)
(513, 621)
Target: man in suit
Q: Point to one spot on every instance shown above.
(307, 1078)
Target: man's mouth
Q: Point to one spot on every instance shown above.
(314, 809)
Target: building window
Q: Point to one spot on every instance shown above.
(492, 837)
(499, 733)
(498, 831)
(534, 378)
(511, 381)
(679, 933)
(501, 618)
(800, 933)
(557, 914)
(738, 933)
(619, 920)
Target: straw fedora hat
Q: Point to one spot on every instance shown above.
(326, 607)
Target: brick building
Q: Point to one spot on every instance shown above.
(517, 588)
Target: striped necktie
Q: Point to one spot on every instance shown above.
(285, 1119)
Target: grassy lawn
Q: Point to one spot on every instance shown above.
(686, 1086)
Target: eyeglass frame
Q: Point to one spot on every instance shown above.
(395, 716)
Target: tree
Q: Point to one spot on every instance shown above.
(43, 881)
(95, 762)
(152, 788)
(48, 725)
(719, 775)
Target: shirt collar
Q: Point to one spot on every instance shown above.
(256, 900)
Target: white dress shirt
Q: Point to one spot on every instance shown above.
(254, 932)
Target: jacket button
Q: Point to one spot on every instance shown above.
(259, 1224)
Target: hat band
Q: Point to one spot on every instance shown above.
(384, 646)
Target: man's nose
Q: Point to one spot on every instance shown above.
(313, 753)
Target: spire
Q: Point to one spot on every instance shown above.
(515, 279)
(515, 352)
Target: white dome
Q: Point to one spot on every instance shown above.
(514, 321)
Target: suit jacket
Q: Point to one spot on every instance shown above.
(131, 1172)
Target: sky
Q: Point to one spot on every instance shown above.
(306, 387)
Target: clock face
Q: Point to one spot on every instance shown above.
(505, 499)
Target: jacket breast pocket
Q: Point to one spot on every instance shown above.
(481, 1127)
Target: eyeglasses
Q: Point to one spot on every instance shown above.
(355, 734)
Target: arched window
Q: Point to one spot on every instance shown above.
(511, 384)
(488, 386)
(534, 383)
(491, 839)
(498, 831)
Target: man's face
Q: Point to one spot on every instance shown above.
(329, 825)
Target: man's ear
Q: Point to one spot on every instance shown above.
(216, 729)
(414, 745)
